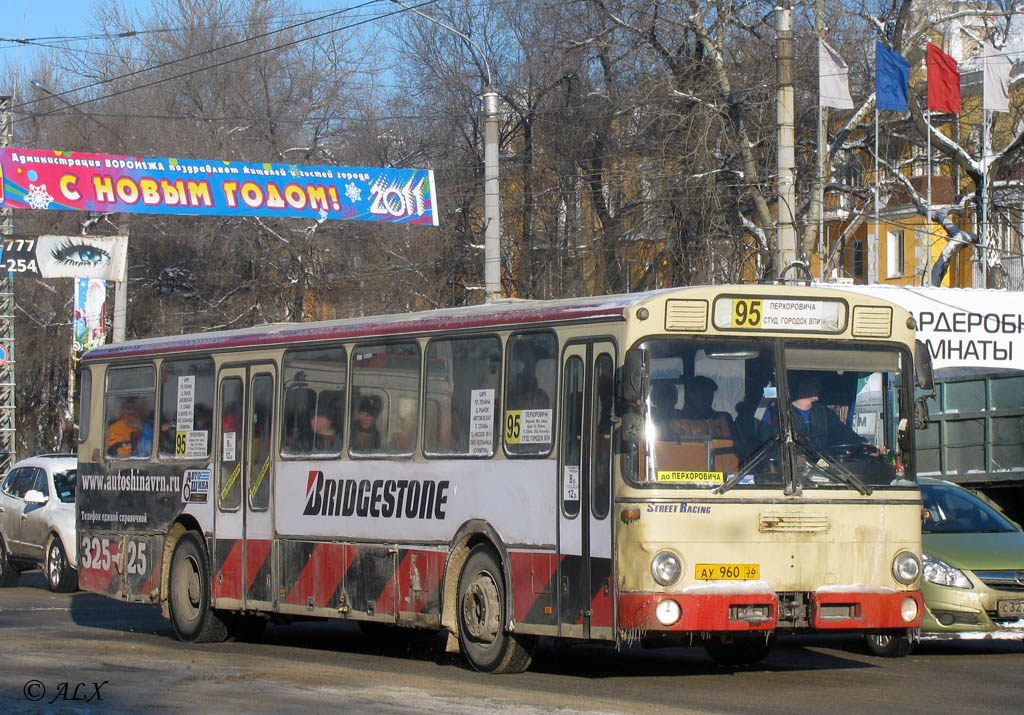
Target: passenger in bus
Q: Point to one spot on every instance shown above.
(698, 418)
(403, 436)
(664, 413)
(323, 437)
(144, 446)
(124, 432)
(365, 435)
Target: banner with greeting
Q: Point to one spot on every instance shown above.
(89, 322)
(75, 181)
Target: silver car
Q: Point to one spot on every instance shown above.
(37, 521)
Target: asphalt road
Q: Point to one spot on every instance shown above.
(124, 658)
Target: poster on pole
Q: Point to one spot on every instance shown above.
(77, 181)
(67, 257)
(89, 322)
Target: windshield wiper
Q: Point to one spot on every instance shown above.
(832, 468)
(749, 463)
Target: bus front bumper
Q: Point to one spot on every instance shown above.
(859, 610)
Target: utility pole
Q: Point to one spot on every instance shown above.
(8, 416)
(784, 119)
(492, 198)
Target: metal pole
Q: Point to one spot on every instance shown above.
(784, 117)
(8, 415)
(492, 200)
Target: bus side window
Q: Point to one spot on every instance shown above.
(385, 399)
(129, 412)
(186, 408)
(461, 396)
(530, 381)
(314, 402)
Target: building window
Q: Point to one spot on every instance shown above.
(895, 252)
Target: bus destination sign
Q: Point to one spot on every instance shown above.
(779, 314)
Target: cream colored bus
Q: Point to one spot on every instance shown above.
(710, 465)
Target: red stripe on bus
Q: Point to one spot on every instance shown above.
(419, 576)
(228, 581)
(530, 574)
(321, 575)
(601, 606)
(97, 579)
(256, 552)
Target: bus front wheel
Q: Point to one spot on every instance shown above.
(192, 616)
(481, 607)
(889, 645)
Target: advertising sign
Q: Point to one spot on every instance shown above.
(963, 327)
(76, 181)
(89, 322)
(102, 257)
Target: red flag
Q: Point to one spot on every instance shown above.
(943, 81)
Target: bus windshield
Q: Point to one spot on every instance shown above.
(715, 415)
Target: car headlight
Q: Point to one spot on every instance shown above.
(666, 567)
(906, 567)
(939, 572)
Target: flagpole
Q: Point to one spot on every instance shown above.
(986, 147)
(821, 189)
(928, 209)
(877, 227)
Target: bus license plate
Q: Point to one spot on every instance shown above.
(1009, 609)
(727, 572)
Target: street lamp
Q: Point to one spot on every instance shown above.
(121, 286)
(492, 203)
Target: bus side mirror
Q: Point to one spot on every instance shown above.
(923, 366)
(635, 376)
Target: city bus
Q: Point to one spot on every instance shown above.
(632, 469)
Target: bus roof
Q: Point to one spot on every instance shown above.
(497, 315)
(509, 312)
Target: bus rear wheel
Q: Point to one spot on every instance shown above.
(488, 647)
(192, 616)
(740, 650)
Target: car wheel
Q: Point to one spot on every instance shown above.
(738, 651)
(8, 574)
(189, 597)
(60, 577)
(889, 645)
(481, 607)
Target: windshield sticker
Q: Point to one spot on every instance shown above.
(679, 508)
(228, 454)
(571, 484)
(690, 477)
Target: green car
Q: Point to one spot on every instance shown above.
(973, 580)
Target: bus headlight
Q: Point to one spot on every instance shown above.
(666, 567)
(906, 567)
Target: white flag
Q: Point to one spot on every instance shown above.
(996, 93)
(833, 78)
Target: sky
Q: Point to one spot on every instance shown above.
(29, 19)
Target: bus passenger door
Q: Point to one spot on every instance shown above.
(584, 491)
(242, 563)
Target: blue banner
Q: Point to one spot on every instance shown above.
(69, 181)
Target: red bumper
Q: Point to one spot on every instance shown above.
(859, 610)
(753, 612)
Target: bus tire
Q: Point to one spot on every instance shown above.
(486, 644)
(60, 577)
(8, 574)
(739, 650)
(189, 597)
(889, 645)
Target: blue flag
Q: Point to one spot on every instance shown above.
(891, 75)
